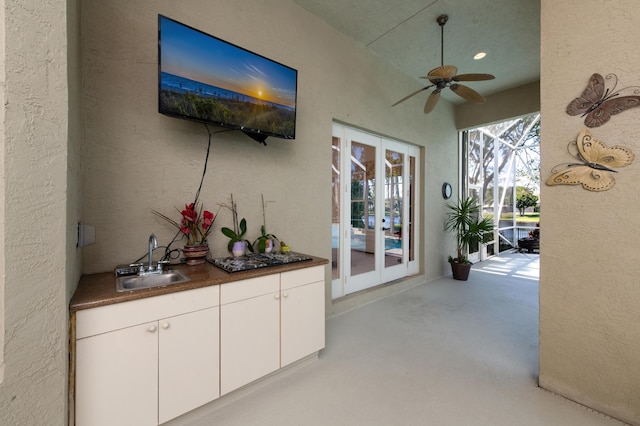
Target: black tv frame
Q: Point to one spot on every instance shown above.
(258, 134)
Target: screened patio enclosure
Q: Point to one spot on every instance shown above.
(499, 160)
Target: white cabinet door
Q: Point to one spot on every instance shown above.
(116, 377)
(302, 321)
(189, 362)
(249, 340)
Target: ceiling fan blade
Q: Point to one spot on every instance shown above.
(432, 100)
(443, 72)
(473, 77)
(412, 94)
(467, 93)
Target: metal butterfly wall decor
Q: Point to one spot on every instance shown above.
(594, 170)
(598, 103)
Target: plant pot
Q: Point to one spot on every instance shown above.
(239, 248)
(460, 271)
(268, 245)
(529, 244)
(196, 254)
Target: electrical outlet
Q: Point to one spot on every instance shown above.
(86, 235)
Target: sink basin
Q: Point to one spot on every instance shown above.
(136, 282)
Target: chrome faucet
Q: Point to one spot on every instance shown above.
(153, 244)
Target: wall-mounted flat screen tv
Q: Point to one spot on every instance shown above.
(206, 79)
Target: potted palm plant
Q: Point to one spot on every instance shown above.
(465, 220)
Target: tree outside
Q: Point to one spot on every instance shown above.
(503, 171)
(525, 199)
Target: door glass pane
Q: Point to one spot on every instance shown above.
(335, 209)
(412, 214)
(392, 220)
(363, 219)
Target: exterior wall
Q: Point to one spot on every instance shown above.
(499, 107)
(74, 148)
(137, 160)
(589, 288)
(2, 186)
(38, 252)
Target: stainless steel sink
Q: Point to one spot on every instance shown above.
(136, 282)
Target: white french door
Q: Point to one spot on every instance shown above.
(374, 210)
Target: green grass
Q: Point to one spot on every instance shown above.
(528, 217)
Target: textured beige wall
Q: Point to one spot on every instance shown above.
(589, 286)
(499, 106)
(2, 186)
(74, 148)
(37, 250)
(137, 160)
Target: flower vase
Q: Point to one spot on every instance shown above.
(238, 248)
(196, 254)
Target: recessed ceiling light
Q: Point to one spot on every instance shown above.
(479, 55)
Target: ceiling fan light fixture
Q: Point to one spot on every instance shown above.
(446, 76)
(479, 55)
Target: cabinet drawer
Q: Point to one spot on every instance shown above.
(90, 322)
(246, 289)
(301, 277)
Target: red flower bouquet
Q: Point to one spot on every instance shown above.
(195, 225)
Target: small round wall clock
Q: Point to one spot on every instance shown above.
(446, 190)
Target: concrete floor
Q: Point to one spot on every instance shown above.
(444, 353)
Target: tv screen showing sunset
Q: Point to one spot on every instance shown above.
(207, 79)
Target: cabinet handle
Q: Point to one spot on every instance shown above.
(285, 294)
(152, 329)
(277, 297)
(165, 325)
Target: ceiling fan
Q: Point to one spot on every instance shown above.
(446, 76)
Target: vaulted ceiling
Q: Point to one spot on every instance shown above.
(405, 33)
